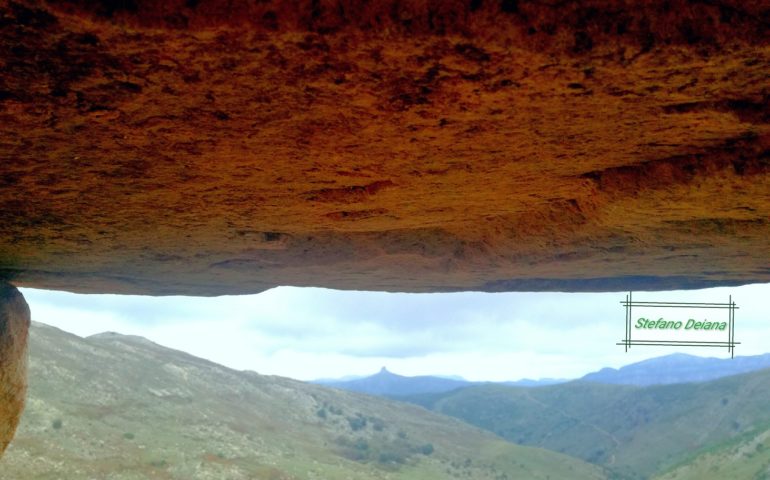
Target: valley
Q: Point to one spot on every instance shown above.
(634, 432)
(121, 407)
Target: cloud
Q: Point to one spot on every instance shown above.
(310, 332)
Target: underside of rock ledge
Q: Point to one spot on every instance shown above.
(212, 147)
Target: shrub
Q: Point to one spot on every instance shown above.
(357, 450)
(357, 423)
(159, 463)
(361, 444)
(391, 456)
(128, 436)
(57, 424)
(377, 424)
(426, 449)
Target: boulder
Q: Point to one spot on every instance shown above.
(14, 325)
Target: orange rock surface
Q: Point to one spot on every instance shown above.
(212, 147)
(14, 326)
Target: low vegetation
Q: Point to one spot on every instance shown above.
(634, 432)
(132, 410)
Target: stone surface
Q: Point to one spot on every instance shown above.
(14, 326)
(212, 147)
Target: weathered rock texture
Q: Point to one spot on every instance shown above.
(14, 325)
(208, 147)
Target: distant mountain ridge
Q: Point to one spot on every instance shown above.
(666, 370)
(385, 383)
(678, 368)
(542, 382)
(388, 384)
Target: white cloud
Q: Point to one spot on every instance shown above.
(311, 333)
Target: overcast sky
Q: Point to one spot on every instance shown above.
(311, 333)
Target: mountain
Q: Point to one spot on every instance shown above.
(346, 378)
(527, 382)
(669, 369)
(389, 384)
(124, 408)
(678, 368)
(634, 432)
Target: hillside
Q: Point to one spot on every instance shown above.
(121, 407)
(679, 368)
(634, 432)
(743, 457)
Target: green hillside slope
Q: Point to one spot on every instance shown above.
(634, 432)
(746, 456)
(123, 408)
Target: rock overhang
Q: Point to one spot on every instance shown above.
(188, 148)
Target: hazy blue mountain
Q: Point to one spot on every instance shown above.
(346, 378)
(389, 384)
(528, 382)
(669, 369)
(452, 377)
(678, 368)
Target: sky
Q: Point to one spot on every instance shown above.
(314, 333)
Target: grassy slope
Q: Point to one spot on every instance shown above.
(635, 432)
(123, 408)
(746, 456)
